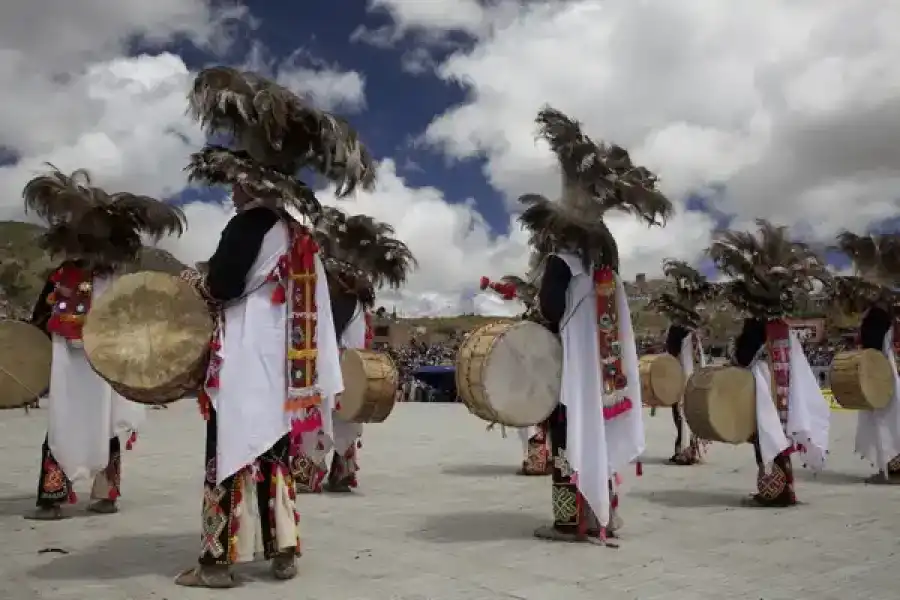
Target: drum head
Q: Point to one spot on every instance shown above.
(876, 378)
(147, 330)
(355, 384)
(523, 373)
(25, 357)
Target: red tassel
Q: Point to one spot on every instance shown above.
(114, 494)
(484, 283)
(132, 440)
(639, 468)
(73, 497)
(279, 295)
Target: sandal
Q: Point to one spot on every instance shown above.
(216, 578)
(284, 566)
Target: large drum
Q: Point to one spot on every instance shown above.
(148, 335)
(370, 386)
(509, 373)
(720, 404)
(662, 380)
(25, 356)
(862, 379)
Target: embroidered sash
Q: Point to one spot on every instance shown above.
(71, 301)
(778, 345)
(615, 382)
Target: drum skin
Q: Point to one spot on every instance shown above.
(370, 386)
(720, 404)
(862, 379)
(25, 357)
(510, 373)
(662, 380)
(148, 335)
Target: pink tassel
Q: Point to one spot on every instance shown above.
(73, 497)
(639, 468)
(132, 440)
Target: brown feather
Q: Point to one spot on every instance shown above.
(279, 129)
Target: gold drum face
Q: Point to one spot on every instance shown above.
(862, 379)
(370, 386)
(720, 404)
(26, 354)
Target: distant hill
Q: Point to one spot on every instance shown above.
(24, 266)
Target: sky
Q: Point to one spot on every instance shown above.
(782, 109)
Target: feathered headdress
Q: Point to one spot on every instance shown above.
(876, 260)
(86, 222)
(770, 272)
(281, 133)
(596, 178)
(691, 290)
(361, 253)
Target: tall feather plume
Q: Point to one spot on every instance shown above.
(596, 178)
(217, 165)
(876, 261)
(770, 271)
(600, 177)
(279, 129)
(88, 222)
(691, 289)
(362, 252)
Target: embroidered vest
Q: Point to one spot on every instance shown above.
(71, 301)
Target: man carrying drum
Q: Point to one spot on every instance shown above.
(597, 428)
(769, 273)
(359, 256)
(274, 358)
(97, 234)
(871, 293)
(683, 342)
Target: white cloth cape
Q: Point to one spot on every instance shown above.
(878, 431)
(84, 411)
(596, 449)
(808, 412)
(249, 401)
(354, 336)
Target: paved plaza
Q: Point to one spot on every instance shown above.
(441, 515)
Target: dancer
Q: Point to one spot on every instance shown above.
(275, 356)
(535, 439)
(97, 234)
(870, 292)
(597, 427)
(769, 272)
(360, 255)
(683, 342)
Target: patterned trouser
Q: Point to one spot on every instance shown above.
(537, 455)
(569, 507)
(774, 488)
(689, 453)
(54, 487)
(250, 512)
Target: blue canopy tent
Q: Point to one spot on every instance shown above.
(442, 379)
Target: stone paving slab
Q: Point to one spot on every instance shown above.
(441, 515)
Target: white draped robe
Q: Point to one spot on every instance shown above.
(84, 411)
(354, 336)
(878, 431)
(596, 449)
(250, 399)
(808, 412)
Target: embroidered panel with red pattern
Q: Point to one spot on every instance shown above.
(778, 344)
(615, 382)
(71, 301)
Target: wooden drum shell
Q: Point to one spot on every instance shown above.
(532, 390)
(720, 404)
(371, 381)
(662, 380)
(862, 379)
(26, 354)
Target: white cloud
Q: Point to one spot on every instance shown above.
(792, 106)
